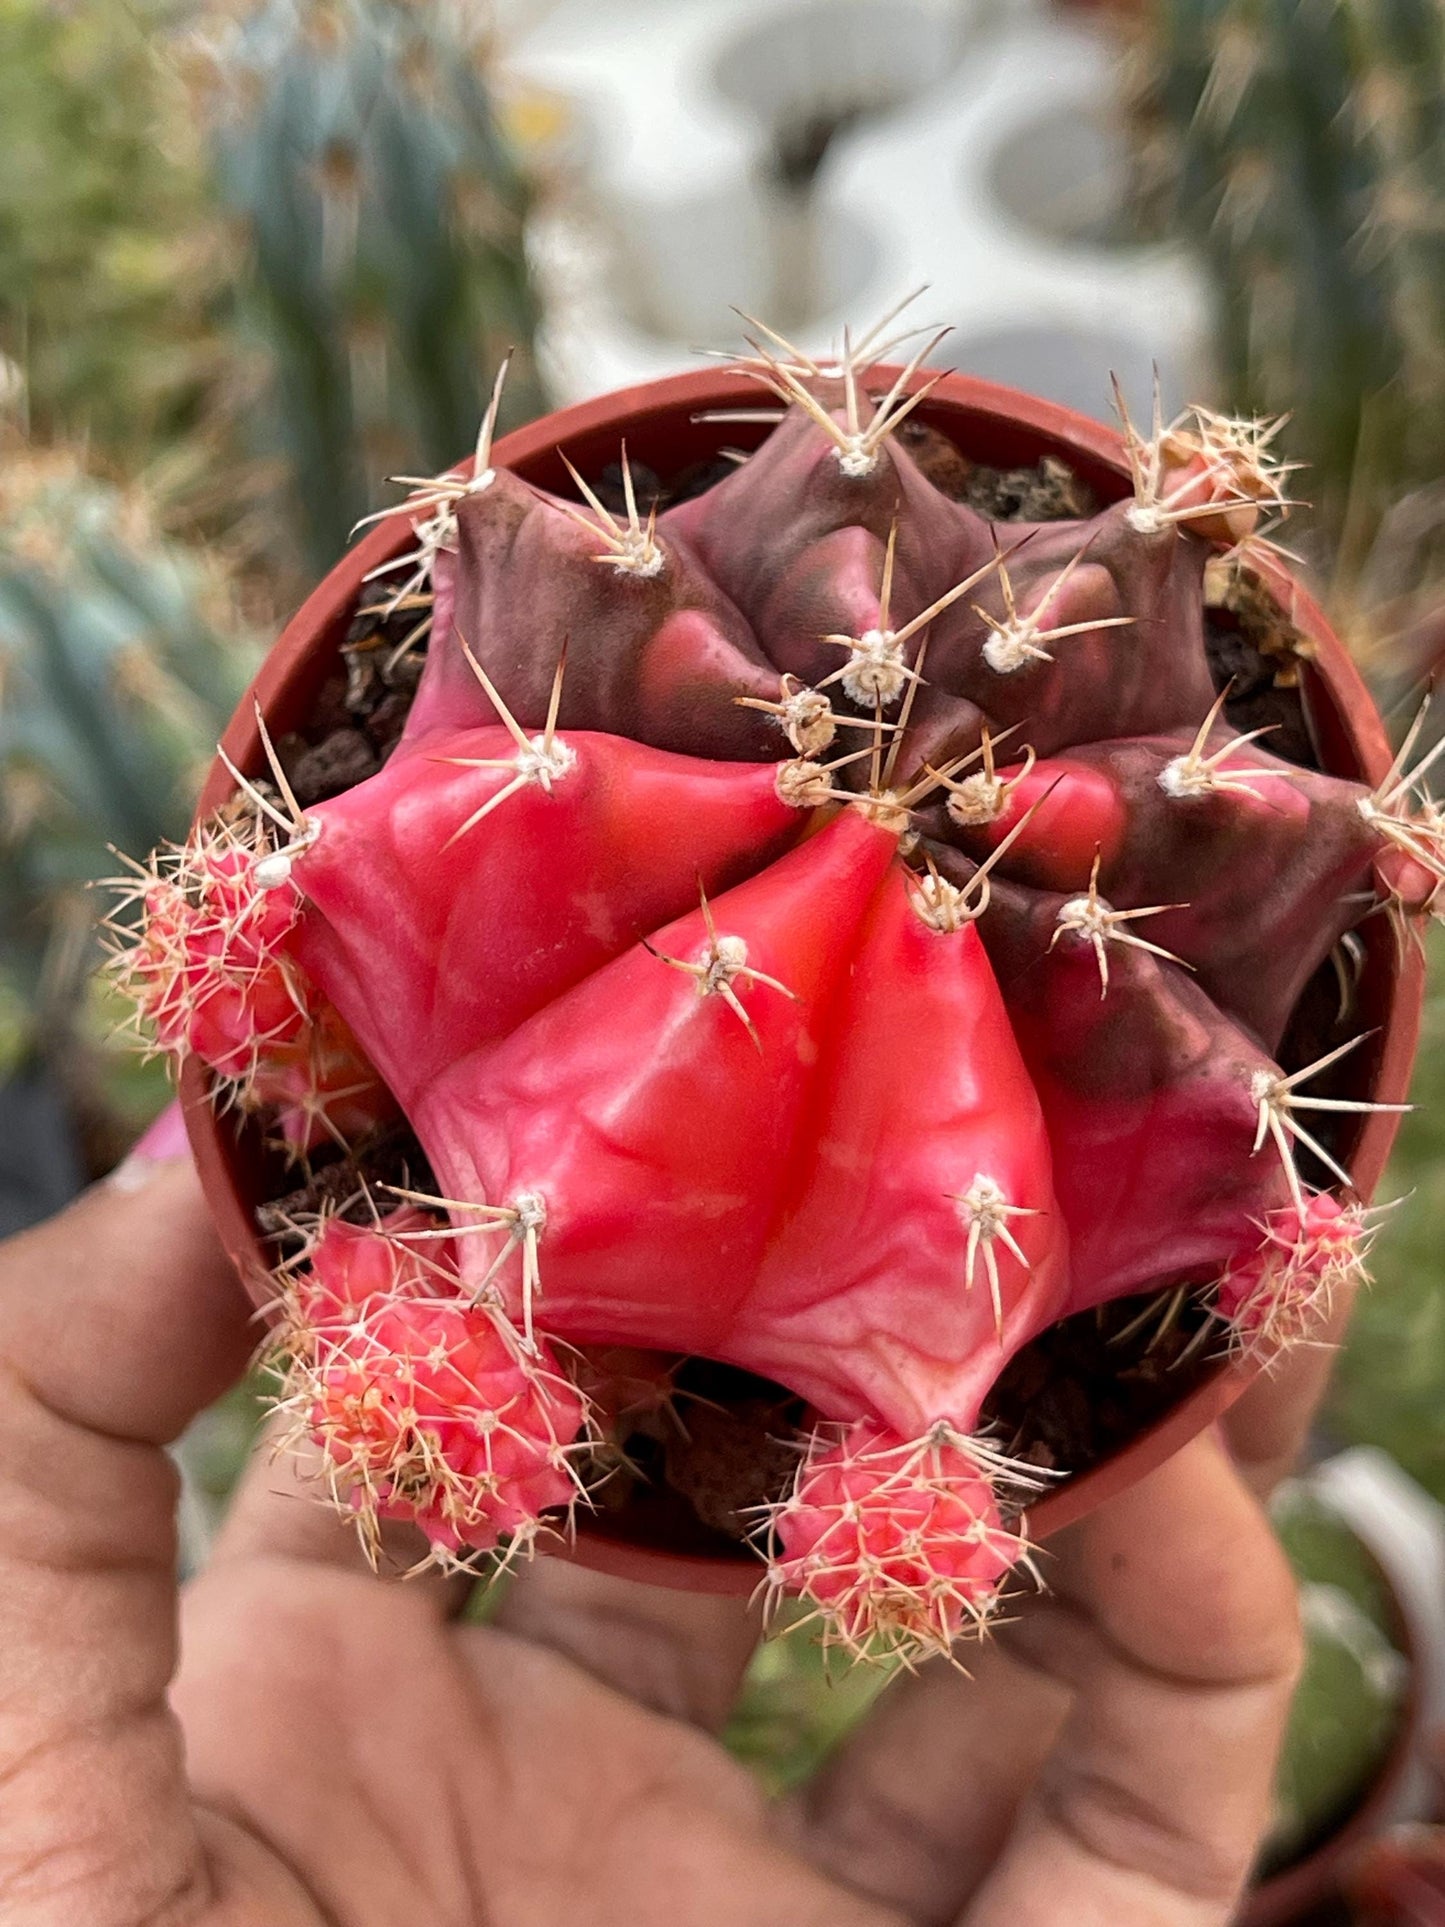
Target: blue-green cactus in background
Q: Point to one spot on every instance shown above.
(357, 148)
(119, 664)
(1302, 143)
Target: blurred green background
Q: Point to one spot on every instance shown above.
(254, 258)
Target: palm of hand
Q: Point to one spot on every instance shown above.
(355, 1756)
(409, 1769)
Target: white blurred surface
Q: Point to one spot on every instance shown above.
(985, 159)
(1405, 1529)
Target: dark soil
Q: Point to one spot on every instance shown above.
(1089, 1385)
(1046, 491)
(650, 491)
(1255, 651)
(346, 1184)
(691, 1478)
(361, 708)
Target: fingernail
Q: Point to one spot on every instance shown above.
(163, 1142)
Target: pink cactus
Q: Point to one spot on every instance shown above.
(1282, 1291)
(425, 1406)
(212, 975)
(897, 1547)
(809, 929)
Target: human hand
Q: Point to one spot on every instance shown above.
(342, 1752)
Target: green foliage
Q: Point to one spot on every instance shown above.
(796, 1705)
(106, 270)
(1302, 143)
(116, 676)
(310, 281)
(1390, 1380)
(357, 150)
(220, 1442)
(1347, 1703)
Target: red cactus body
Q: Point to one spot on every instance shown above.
(749, 1002)
(1283, 1289)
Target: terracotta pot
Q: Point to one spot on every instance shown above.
(1399, 1881)
(994, 425)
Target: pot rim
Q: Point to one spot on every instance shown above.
(1307, 1882)
(971, 411)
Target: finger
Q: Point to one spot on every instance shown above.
(282, 1509)
(681, 1653)
(1266, 1429)
(916, 1805)
(118, 1321)
(122, 1315)
(1178, 1631)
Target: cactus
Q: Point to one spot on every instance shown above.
(114, 673)
(1303, 145)
(749, 1003)
(1350, 1699)
(429, 1409)
(107, 327)
(357, 147)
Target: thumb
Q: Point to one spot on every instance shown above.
(122, 1315)
(119, 1320)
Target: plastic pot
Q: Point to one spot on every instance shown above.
(1298, 1891)
(993, 425)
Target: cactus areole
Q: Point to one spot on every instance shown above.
(806, 926)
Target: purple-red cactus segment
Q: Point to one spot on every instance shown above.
(426, 1408)
(1263, 864)
(897, 1543)
(1150, 1100)
(1086, 630)
(656, 651)
(798, 545)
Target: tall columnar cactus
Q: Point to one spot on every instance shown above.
(811, 929)
(109, 278)
(357, 145)
(114, 673)
(1303, 142)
